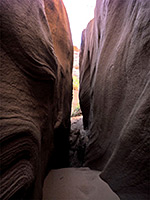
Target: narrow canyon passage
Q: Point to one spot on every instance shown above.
(115, 103)
(97, 149)
(76, 182)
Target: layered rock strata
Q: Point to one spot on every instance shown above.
(35, 80)
(115, 95)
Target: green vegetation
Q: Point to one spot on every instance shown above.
(75, 83)
(77, 111)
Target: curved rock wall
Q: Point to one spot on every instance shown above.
(34, 82)
(86, 52)
(63, 47)
(115, 88)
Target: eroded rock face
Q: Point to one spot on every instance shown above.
(34, 82)
(115, 77)
(63, 47)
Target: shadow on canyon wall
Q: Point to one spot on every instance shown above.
(115, 95)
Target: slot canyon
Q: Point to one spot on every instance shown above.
(51, 149)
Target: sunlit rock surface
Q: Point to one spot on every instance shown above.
(115, 95)
(75, 74)
(36, 82)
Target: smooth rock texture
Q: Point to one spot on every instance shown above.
(76, 184)
(85, 63)
(115, 95)
(63, 47)
(33, 85)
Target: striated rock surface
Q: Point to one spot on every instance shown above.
(35, 88)
(115, 95)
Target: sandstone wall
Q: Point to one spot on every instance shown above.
(115, 90)
(63, 47)
(35, 79)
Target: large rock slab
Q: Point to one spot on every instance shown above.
(117, 89)
(76, 184)
(32, 89)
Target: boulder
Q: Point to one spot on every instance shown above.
(78, 140)
(33, 85)
(115, 90)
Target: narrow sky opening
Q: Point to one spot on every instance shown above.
(80, 12)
